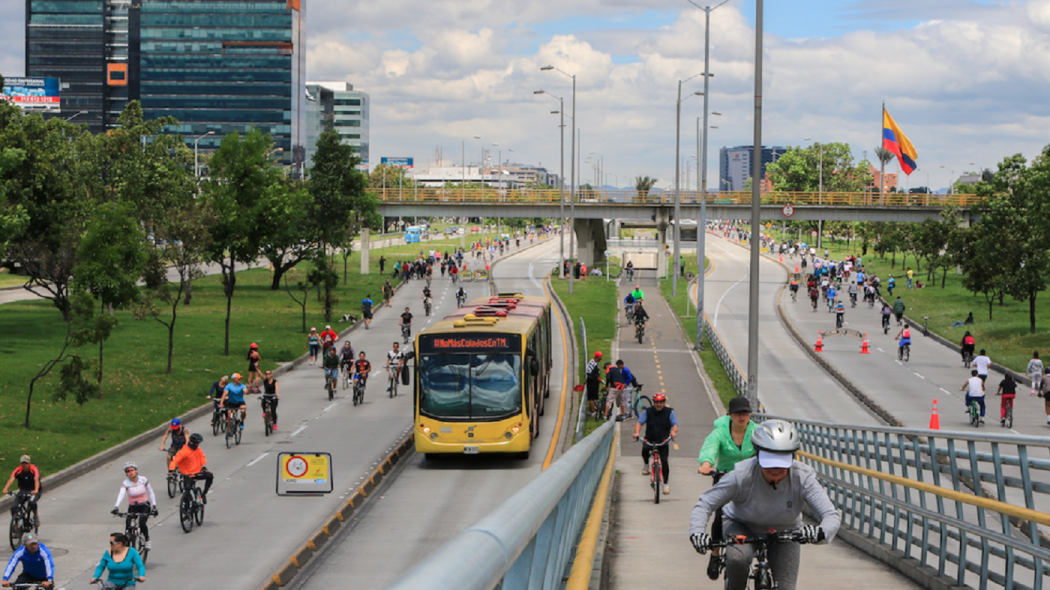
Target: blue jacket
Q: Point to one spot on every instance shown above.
(40, 565)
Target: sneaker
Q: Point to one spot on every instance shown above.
(275, 428)
(667, 490)
(714, 567)
(242, 426)
(204, 498)
(1002, 422)
(982, 420)
(645, 470)
(148, 545)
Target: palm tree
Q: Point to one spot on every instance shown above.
(884, 155)
(643, 184)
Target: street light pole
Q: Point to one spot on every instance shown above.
(756, 220)
(572, 173)
(561, 179)
(678, 186)
(196, 142)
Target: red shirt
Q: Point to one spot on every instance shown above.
(329, 335)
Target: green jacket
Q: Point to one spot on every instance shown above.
(331, 361)
(898, 306)
(720, 450)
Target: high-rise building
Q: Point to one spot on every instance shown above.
(350, 111)
(215, 65)
(320, 114)
(735, 165)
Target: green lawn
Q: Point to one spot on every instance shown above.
(723, 385)
(9, 280)
(1006, 336)
(138, 395)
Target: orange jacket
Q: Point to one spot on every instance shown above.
(189, 461)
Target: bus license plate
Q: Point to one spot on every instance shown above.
(470, 450)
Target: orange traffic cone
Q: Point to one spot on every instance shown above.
(796, 269)
(864, 347)
(782, 257)
(935, 419)
(820, 343)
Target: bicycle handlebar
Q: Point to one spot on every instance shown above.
(794, 536)
(654, 445)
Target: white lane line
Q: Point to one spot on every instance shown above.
(301, 428)
(918, 375)
(880, 350)
(945, 390)
(334, 404)
(256, 460)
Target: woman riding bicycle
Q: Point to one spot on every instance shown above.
(141, 500)
(762, 493)
(122, 562)
(967, 345)
(728, 444)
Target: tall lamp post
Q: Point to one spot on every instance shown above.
(756, 220)
(701, 246)
(678, 183)
(196, 142)
(572, 172)
(561, 179)
(820, 189)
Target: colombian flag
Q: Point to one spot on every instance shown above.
(893, 139)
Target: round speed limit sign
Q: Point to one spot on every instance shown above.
(788, 210)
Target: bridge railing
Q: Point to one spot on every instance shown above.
(732, 369)
(634, 197)
(970, 507)
(530, 539)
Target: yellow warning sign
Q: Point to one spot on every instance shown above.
(311, 469)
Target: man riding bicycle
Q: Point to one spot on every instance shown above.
(886, 311)
(406, 323)
(794, 287)
(660, 423)
(904, 336)
(427, 296)
(637, 294)
(853, 293)
(346, 356)
(398, 358)
(191, 461)
(974, 388)
(28, 477)
(233, 397)
(628, 306)
(362, 368)
(840, 315)
(898, 309)
(331, 367)
(763, 493)
(178, 434)
(38, 566)
(640, 315)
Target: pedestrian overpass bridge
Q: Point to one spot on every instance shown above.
(656, 208)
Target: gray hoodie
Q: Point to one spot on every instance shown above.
(750, 500)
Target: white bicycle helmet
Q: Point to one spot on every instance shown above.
(776, 436)
(131, 465)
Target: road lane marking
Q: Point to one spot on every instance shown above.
(301, 428)
(256, 460)
(564, 377)
(918, 375)
(334, 404)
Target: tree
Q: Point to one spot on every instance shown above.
(110, 261)
(285, 223)
(643, 184)
(801, 169)
(884, 155)
(12, 217)
(980, 252)
(382, 176)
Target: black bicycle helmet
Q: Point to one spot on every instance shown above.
(196, 438)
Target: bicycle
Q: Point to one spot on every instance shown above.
(639, 331)
(904, 352)
(406, 333)
(885, 324)
(656, 474)
(191, 506)
(348, 374)
(794, 295)
(359, 390)
(218, 421)
(967, 358)
(814, 301)
(1008, 418)
(762, 572)
(330, 385)
(267, 414)
(22, 519)
(839, 320)
(630, 275)
(108, 585)
(233, 429)
(393, 382)
(853, 299)
(629, 310)
(135, 537)
(975, 413)
(461, 299)
(426, 306)
(174, 483)
(641, 404)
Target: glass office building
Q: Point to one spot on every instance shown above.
(349, 116)
(222, 66)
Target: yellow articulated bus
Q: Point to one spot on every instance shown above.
(483, 374)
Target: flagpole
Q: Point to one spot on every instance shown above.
(882, 174)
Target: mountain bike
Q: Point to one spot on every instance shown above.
(174, 482)
(22, 519)
(760, 575)
(218, 420)
(330, 385)
(191, 506)
(975, 413)
(461, 299)
(1008, 418)
(406, 333)
(359, 390)
(656, 474)
(639, 331)
(426, 305)
(136, 539)
(904, 352)
(233, 429)
(392, 389)
(267, 413)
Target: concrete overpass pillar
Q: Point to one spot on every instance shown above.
(365, 235)
(590, 240)
(663, 222)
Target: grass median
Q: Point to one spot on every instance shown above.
(1006, 336)
(686, 312)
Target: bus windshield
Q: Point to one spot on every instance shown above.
(470, 386)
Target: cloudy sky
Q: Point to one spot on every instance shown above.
(967, 80)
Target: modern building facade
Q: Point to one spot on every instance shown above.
(217, 66)
(735, 165)
(320, 113)
(350, 112)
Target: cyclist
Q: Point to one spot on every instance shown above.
(974, 388)
(398, 358)
(755, 499)
(853, 293)
(831, 293)
(141, 499)
(886, 311)
(122, 562)
(637, 294)
(461, 296)
(794, 287)
(406, 322)
(38, 567)
(362, 368)
(640, 315)
(630, 270)
(660, 423)
(453, 272)
(898, 309)
(215, 394)
(271, 397)
(233, 398)
(981, 362)
(331, 367)
(346, 356)
(191, 462)
(28, 477)
(1035, 372)
(967, 346)
(328, 339)
(814, 294)
(628, 306)
(728, 444)
(366, 309)
(427, 295)
(840, 314)
(314, 342)
(178, 433)
(905, 338)
(1007, 389)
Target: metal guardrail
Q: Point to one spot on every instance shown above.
(581, 418)
(529, 540)
(732, 369)
(634, 197)
(921, 493)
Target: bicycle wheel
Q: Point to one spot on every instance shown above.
(229, 432)
(907, 353)
(140, 546)
(393, 385)
(172, 486)
(186, 511)
(198, 511)
(331, 389)
(656, 478)
(237, 430)
(216, 423)
(16, 532)
(267, 424)
(642, 404)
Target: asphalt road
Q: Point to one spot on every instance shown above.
(248, 530)
(432, 502)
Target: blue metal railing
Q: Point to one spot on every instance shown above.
(529, 540)
(923, 493)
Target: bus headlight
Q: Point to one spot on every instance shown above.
(425, 429)
(508, 435)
